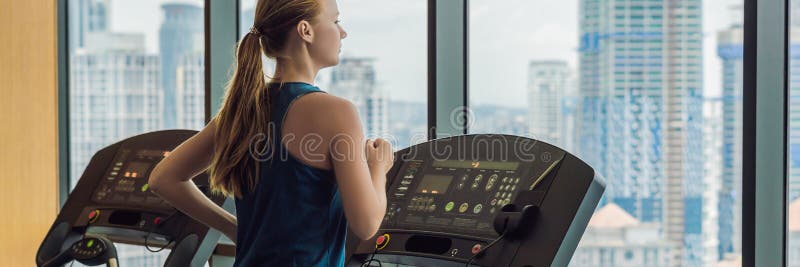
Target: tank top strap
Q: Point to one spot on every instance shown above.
(282, 98)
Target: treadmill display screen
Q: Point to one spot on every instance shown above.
(136, 169)
(434, 184)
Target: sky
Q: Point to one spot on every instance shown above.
(504, 36)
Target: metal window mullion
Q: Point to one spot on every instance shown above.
(449, 74)
(221, 35)
(64, 180)
(765, 132)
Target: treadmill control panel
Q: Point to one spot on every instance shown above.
(125, 181)
(454, 195)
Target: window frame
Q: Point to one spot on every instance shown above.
(764, 172)
(63, 100)
(765, 125)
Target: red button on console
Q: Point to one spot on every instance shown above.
(157, 221)
(382, 241)
(476, 248)
(94, 215)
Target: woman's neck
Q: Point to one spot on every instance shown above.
(288, 70)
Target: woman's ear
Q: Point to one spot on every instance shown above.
(305, 31)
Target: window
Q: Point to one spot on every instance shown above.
(382, 67)
(625, 87)
(793, 139)
(126, 79)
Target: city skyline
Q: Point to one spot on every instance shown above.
(640, 112)
(561, 43)
(676, 204)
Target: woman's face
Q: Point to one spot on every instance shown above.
(328, 37)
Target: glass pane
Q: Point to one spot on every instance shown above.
(793, 223)
(382, 67)
(648, 92)
(130, 75)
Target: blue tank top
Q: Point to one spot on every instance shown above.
(294, 217)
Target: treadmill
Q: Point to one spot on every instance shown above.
(112, 203)
(478, 200)
(482, 200)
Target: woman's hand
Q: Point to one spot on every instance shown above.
(380, 156)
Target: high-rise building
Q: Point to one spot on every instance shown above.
(190, 89)
(639, 121)
(730, 51)
(549, 85)
(712, 179)
(113, 95)
(181, 33)
(87, 16)
(354, 79)
(615, 238)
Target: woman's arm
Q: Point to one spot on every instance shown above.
(171, 180)
(360, 167)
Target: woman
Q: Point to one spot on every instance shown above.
(294, 157)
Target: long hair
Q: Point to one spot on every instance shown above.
(245, 113)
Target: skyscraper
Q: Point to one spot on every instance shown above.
(730, 51)
(354, 79)
(190, 91)
(712, 178)
(549, 85)
(639, 122)
(181, 33)
(113, 94)
(87, 16)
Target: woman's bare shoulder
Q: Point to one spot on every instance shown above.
(324, 100)
(327, 111)
(326, 104)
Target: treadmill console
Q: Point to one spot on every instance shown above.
(457, 196)
(112, 200)
(449, 199)
(125, 181)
